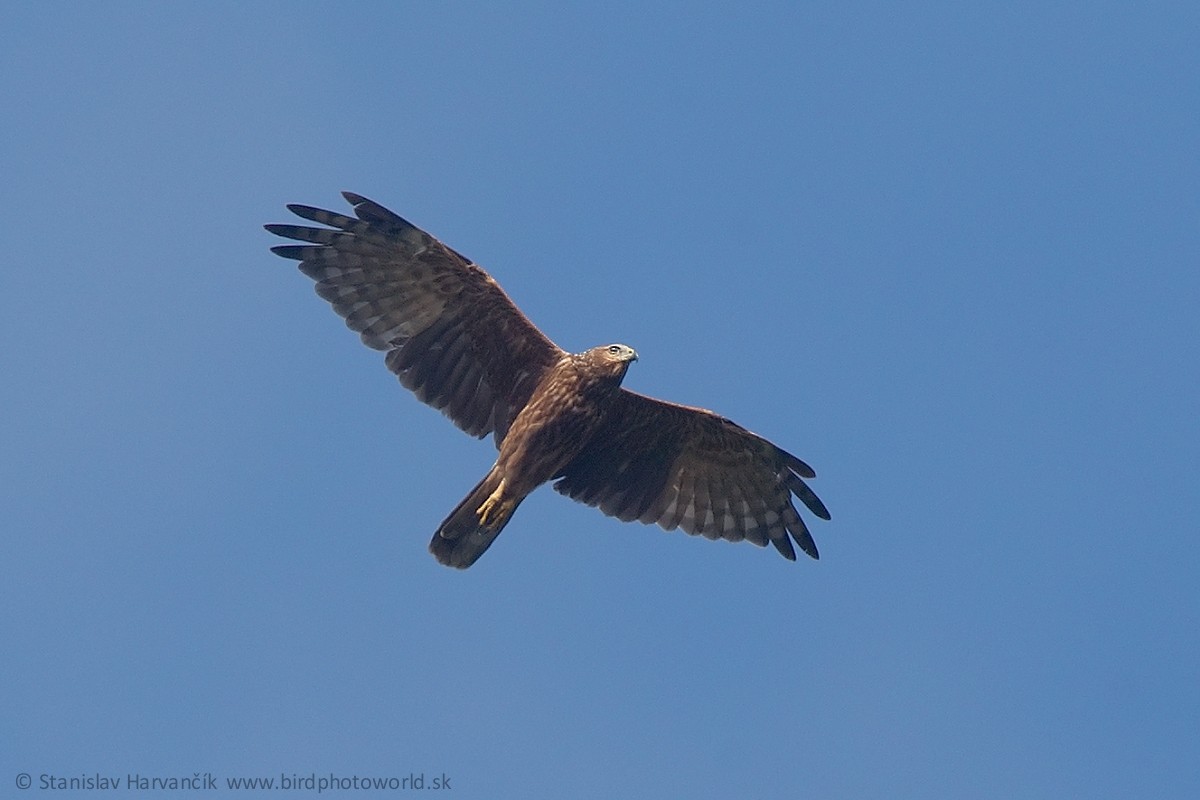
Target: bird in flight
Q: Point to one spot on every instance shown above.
(455, 339)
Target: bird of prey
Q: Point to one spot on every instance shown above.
(453, 337)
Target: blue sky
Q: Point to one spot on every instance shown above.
(947, 253)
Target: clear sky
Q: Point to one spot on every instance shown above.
(948, 253)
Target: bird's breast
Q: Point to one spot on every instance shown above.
(549, 432)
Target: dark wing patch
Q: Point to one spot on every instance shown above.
(451, 334)
(683, 467)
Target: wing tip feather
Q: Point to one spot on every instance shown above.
(784, 545)
(295, 252)
(797, 466)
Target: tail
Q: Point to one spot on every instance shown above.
(462, 538)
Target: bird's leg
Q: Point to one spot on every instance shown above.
(495, 509)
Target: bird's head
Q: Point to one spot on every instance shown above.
(622, 353)
(612, 359)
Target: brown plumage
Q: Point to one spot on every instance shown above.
(459, 343)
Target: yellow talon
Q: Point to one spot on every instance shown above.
(495, 509)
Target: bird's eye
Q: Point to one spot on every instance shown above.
(613, 349)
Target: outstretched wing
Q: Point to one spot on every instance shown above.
(451, 334)
(684, 467)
